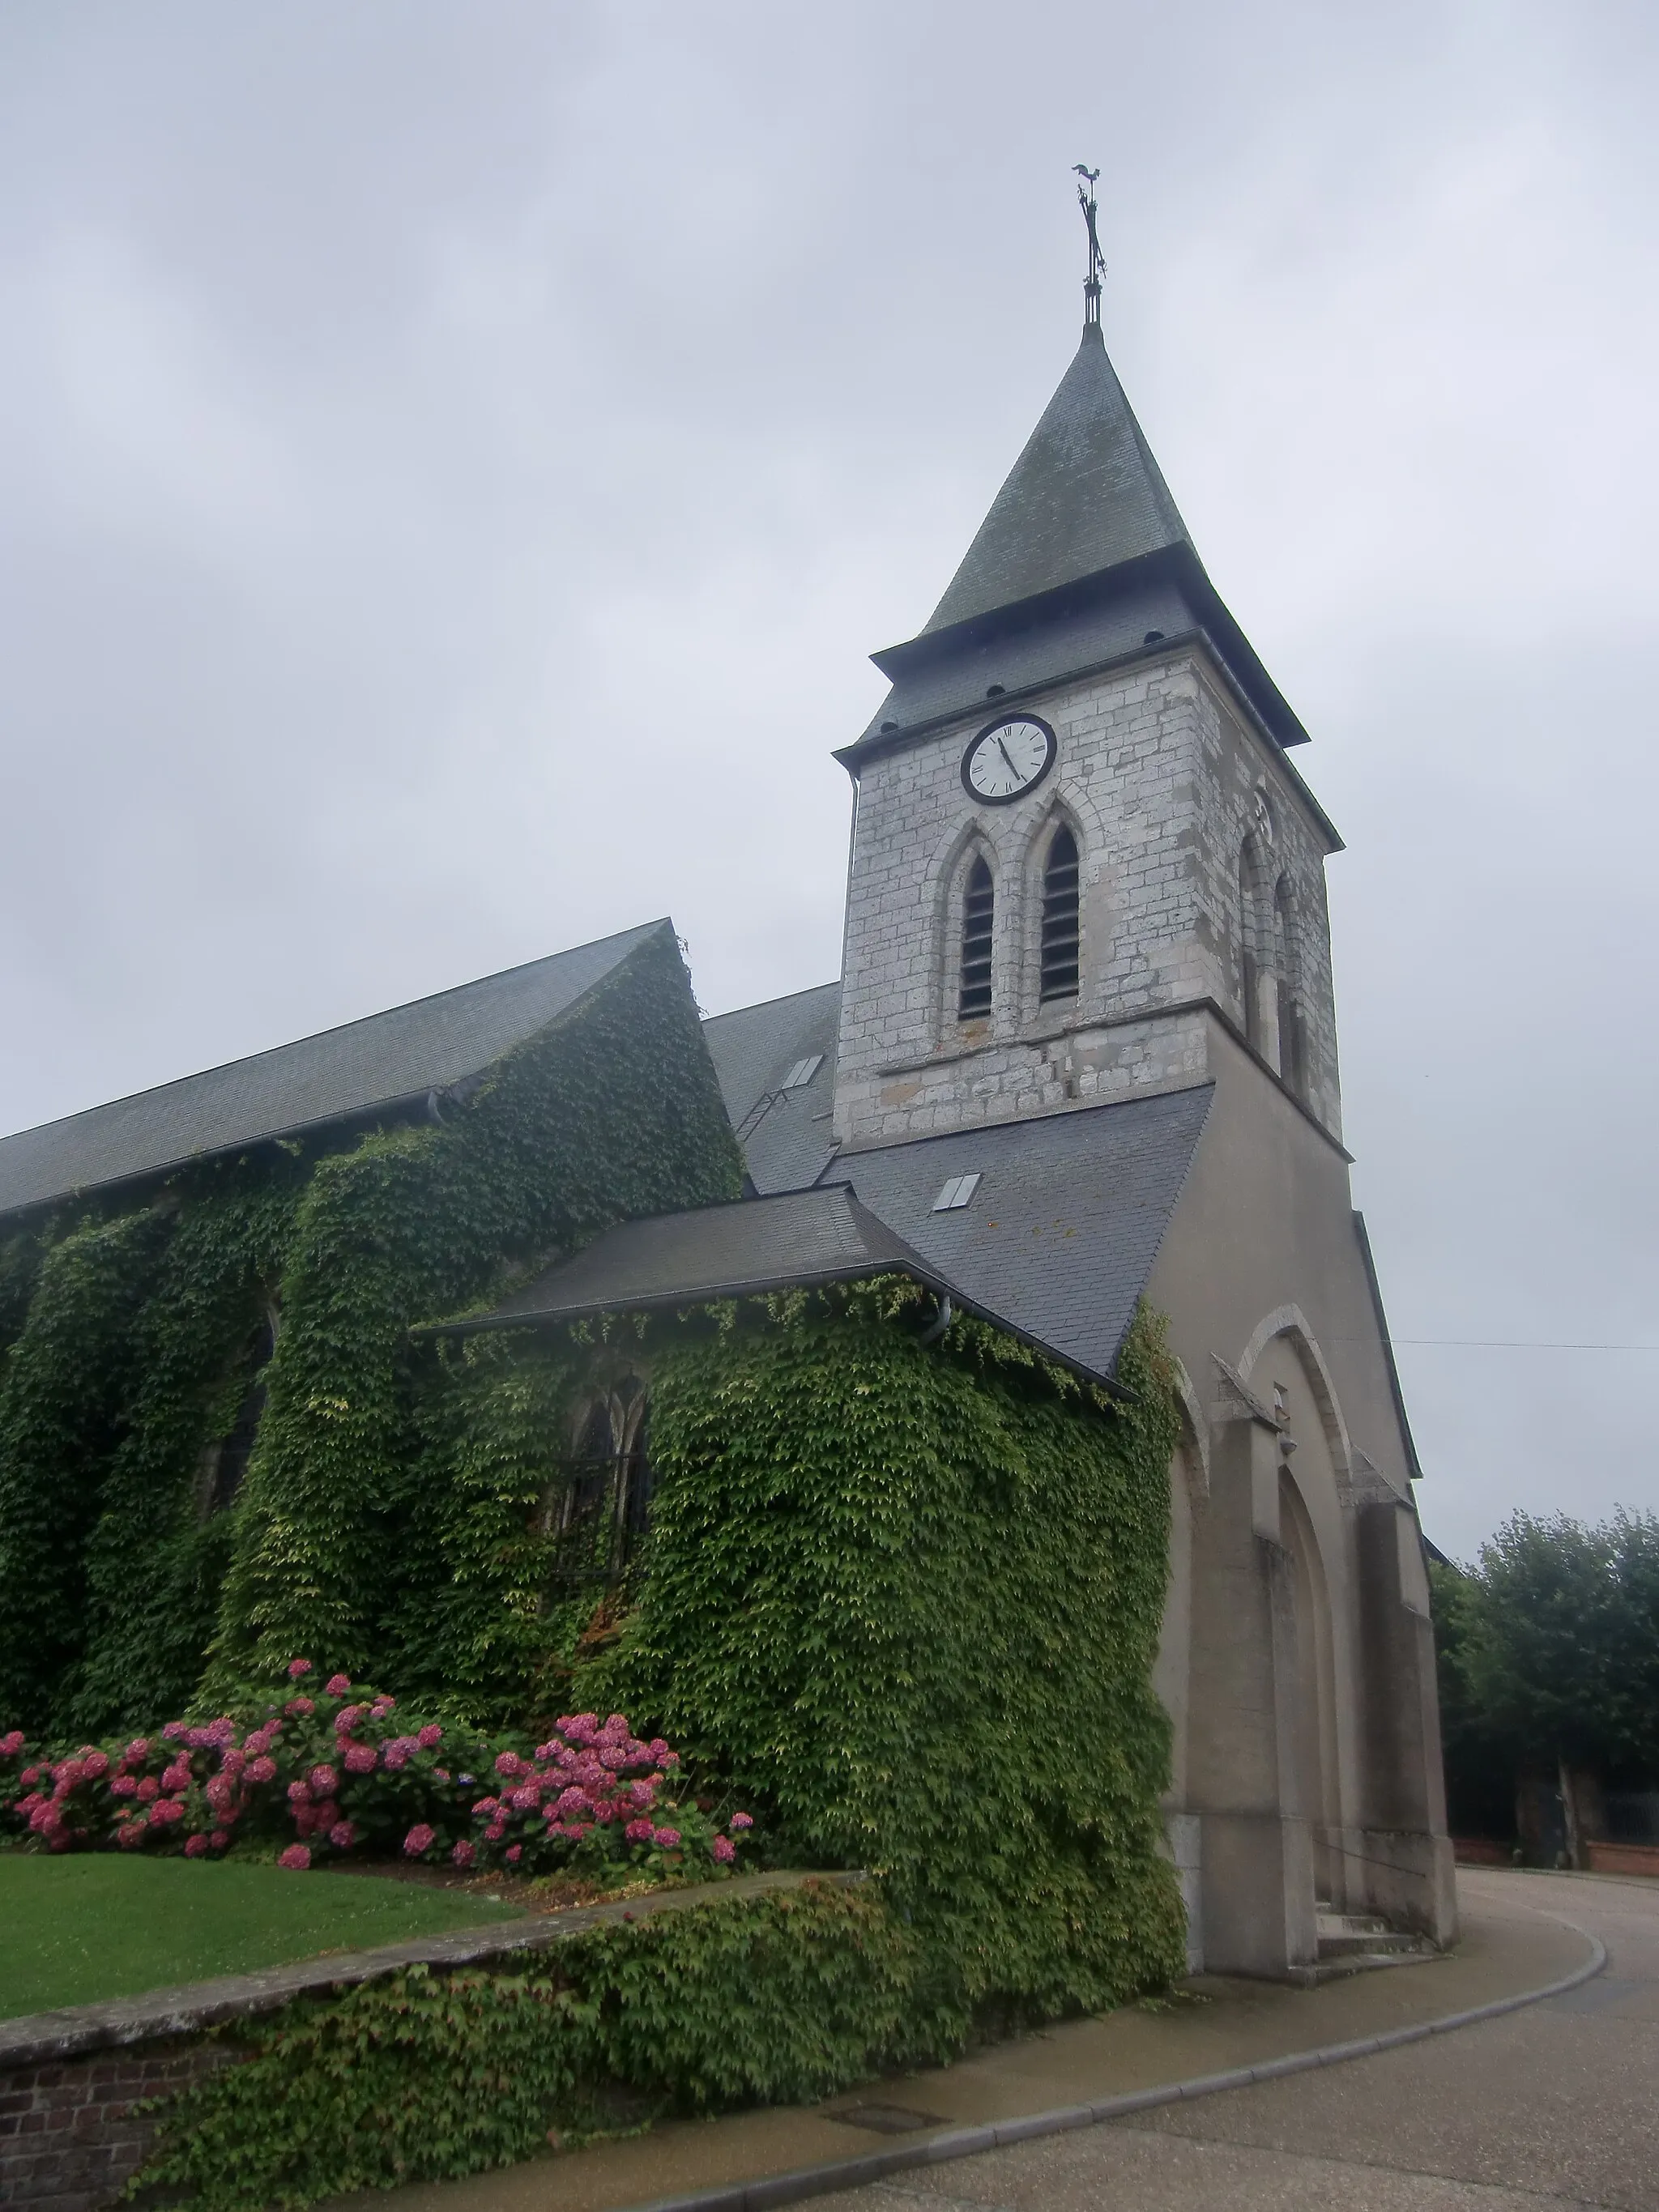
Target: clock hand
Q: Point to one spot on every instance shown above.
(1009, 757)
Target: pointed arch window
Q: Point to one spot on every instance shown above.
(1292, 1032)
(1058, 963)
(1250, 975)
(978, 921)
(599, 1513)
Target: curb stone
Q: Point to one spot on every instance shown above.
(806, 2181)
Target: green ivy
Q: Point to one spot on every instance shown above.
(68, 1384)
(425, 2076)
(128, 1357)
(909, 1598)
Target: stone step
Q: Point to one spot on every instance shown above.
(1349, 1923)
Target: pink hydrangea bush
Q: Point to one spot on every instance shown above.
(341, 1771)
(596, 1797)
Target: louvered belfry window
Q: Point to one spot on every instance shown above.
(1059, 918)
(978, 906)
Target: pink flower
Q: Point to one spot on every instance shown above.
(298, 1794)
(177, 1776)
(361, 1759)
(494, 1832)
(343, 1835)
(174, 1732)
(95, 1766)
(324, 1781)
(12, 1744)
(383, 1704)
(296, 1667)
(665, 1838)
(514, 1853)
(260, 1769)
(430, 1736)
(327, 1814)
(463, 1855)
(724, 1849)
(337, 1686)
(740, 1821)
(195, 1846)
(138, 1749)
(232, 1761)
(123, 1786)
(132, 1834)
(297, 1856)
(639, 1832)
(166, 1812)
(149, 1788)
(420, 1838)
(219, 1838)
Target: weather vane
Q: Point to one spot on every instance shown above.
(1086, 199)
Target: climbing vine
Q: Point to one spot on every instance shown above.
(134, 1352)
(909, 1598)
(425, 2076)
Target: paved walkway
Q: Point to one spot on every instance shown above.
(1558, 2103)
(1560, 2100)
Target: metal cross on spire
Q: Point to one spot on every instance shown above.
(1088, 178)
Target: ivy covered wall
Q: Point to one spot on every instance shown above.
(908, 1597)
(131, 1329)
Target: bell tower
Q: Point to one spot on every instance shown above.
(1080, 848)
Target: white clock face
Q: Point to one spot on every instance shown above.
(1008, 759)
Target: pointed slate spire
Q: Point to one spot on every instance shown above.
(1085, 495)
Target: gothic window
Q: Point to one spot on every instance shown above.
(978, 911)
(599, 1513)
(1250, 979)
(1057, 973)
(1293, 1033)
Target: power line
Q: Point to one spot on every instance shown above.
(1516, 1344)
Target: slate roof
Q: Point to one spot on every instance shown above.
(1084, 495)
(795, 1239)
(1083, 563)
(1056, 1246)
(1065, 1226)
(388, 1060)
(785, 1134)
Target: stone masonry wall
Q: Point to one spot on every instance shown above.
(69, 2139)
(1160, 784)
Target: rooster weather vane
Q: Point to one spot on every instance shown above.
(1088, 178)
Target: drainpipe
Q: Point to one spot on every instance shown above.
(939, 1323)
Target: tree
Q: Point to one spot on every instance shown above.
(1549, 1657)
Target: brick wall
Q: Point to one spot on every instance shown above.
(69, 2137)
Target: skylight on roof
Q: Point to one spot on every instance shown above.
(956, 1193)
(802, 1073)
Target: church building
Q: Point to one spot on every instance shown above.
(1080, 1067)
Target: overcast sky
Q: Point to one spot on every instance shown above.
(455, 459)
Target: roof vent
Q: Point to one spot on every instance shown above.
(957, 1192)
(995, 691)
(888, 726)
(1153, 637)
(802, 1073)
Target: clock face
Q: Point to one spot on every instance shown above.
(1007, 760)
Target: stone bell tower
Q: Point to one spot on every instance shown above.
(1081, 841)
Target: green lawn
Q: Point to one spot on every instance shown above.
(91, 1925)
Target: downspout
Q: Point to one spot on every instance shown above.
(939, 1323)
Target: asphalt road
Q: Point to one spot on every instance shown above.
(1556, 2103)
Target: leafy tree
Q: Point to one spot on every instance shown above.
(1549, 1656)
